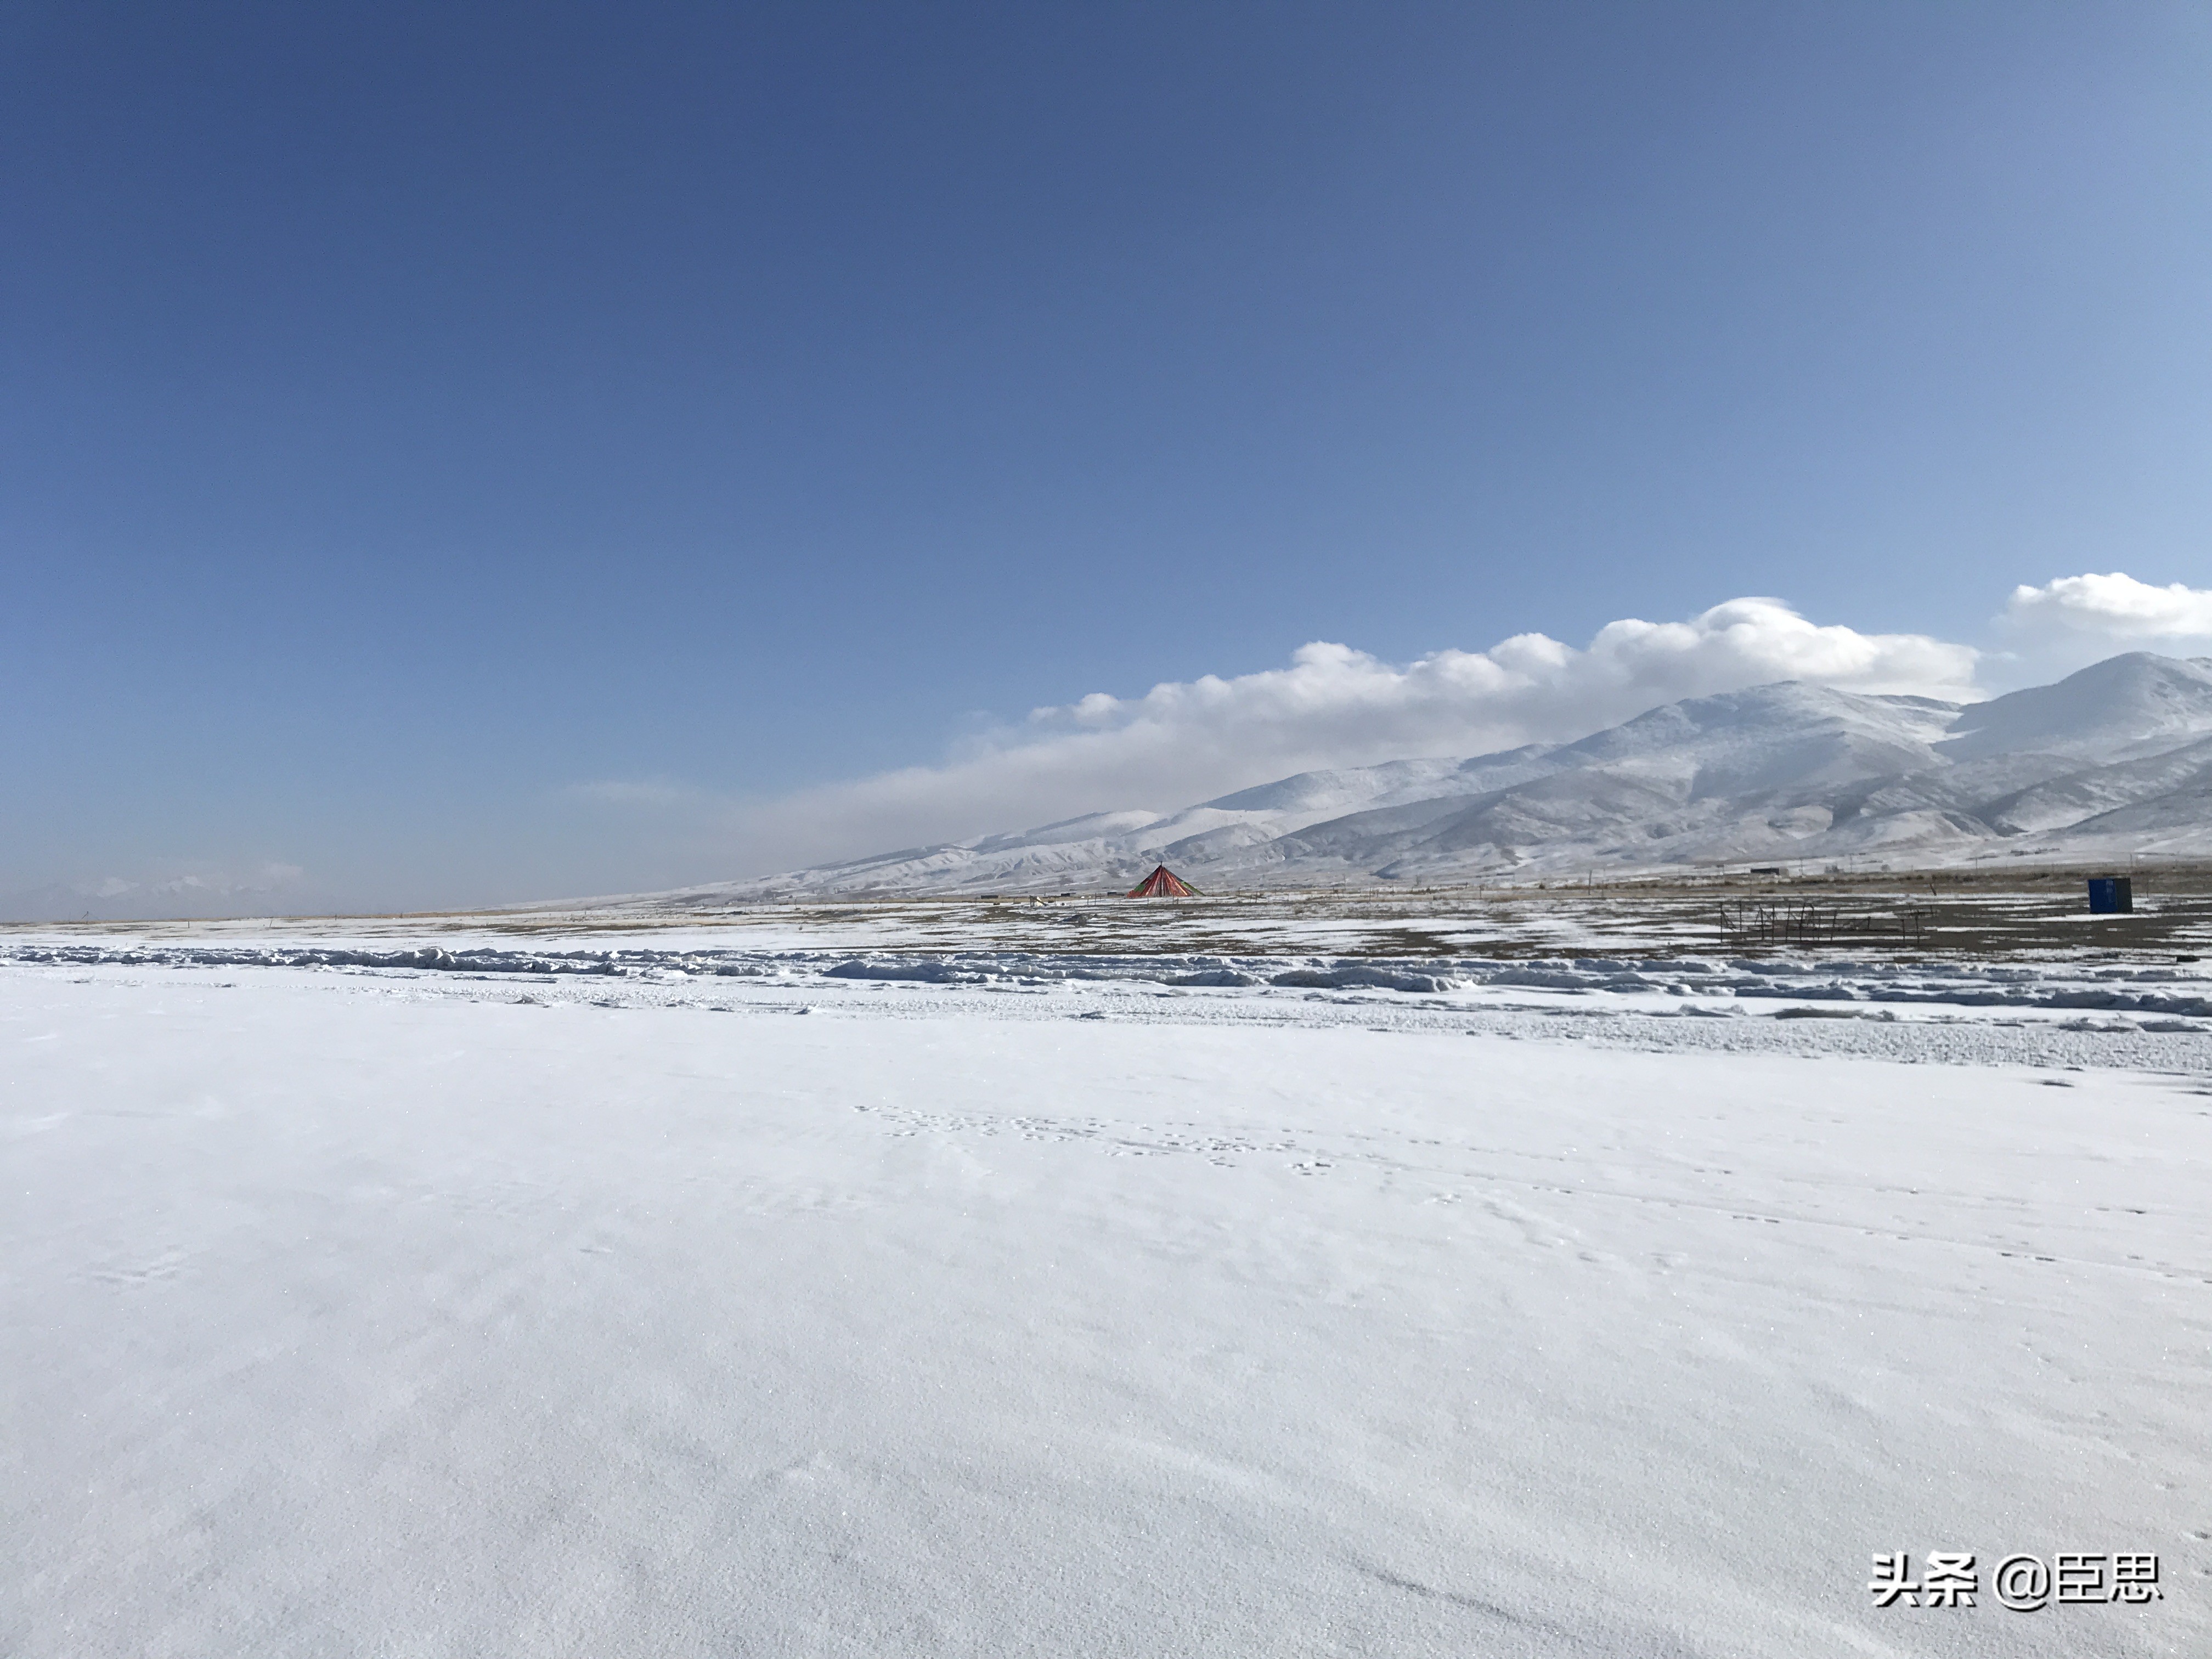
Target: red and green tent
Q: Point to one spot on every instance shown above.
(1163, 883)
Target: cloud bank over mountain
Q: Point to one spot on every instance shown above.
(2115, 760)
(1335, 706)
(2087, 616)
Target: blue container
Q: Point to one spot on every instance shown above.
(2111, 895)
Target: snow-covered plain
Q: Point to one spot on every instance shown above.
(471, 1293)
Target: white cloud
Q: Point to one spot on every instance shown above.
(1333, 706)
(2114, 609)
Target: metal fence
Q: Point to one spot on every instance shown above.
(1811, 923)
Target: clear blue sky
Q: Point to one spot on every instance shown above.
(409, 412)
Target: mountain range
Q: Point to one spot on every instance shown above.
(2113, 761)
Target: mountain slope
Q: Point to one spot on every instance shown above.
(2117, 754)
(2117, 710)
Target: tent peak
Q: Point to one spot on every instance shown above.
(1163, 883)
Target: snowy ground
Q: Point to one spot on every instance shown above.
(1952, 918)
(708, 1294)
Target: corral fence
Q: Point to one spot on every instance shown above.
(1810, 923)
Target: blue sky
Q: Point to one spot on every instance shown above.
(461, 454)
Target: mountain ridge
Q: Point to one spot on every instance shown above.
(1775, 773)
(2115, 758)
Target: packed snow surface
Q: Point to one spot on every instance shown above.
(571, 1294)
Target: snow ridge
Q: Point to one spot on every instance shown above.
(2176, 998)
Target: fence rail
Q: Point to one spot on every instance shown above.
(1811, 923)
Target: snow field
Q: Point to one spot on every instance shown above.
(356, 1315)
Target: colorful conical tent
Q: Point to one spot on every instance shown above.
(1163, 883)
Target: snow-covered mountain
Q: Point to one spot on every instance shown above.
(2116, 758)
